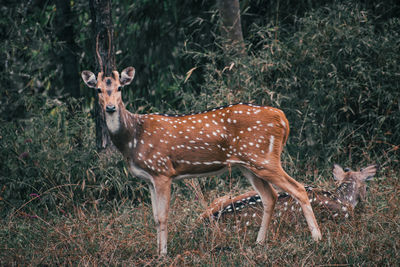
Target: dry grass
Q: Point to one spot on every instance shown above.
(126, 236)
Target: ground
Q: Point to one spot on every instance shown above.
(125, 235)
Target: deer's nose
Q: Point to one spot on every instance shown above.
(110, 108)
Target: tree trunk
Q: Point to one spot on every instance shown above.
(103, 31)
(232, 43)
(231, 27)
(65, 34)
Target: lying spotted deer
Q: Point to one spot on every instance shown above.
(246, 208)
(161, 148)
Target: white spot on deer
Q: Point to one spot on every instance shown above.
(207, 125)
(283, 123)
(249, 129)
(150, 145)
(265, 162)
(271, 143)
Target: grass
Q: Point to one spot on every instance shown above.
(124, 234)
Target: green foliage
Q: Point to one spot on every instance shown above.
(336, 78)
(50, 160)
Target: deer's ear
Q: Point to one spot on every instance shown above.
(368, 173)
(338, 172)
(127, 76)
(89, 78)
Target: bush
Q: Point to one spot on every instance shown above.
(50, 159)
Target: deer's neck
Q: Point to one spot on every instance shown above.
(122, 126)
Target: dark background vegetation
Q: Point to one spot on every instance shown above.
(332, 66)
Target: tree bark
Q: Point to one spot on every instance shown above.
(231, 27)
(103, 46)
(232, 42)
(65, 34)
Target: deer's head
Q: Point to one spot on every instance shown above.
(108, 89)
(352, 184)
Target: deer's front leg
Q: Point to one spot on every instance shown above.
(160, 190)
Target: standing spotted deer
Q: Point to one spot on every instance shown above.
(161, 148)
(246, 208)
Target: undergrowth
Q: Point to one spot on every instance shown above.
(125, 235)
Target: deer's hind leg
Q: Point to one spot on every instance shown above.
(278, 177)
(268, 197)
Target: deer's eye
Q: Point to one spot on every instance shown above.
(119, 88)
(99, 90)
